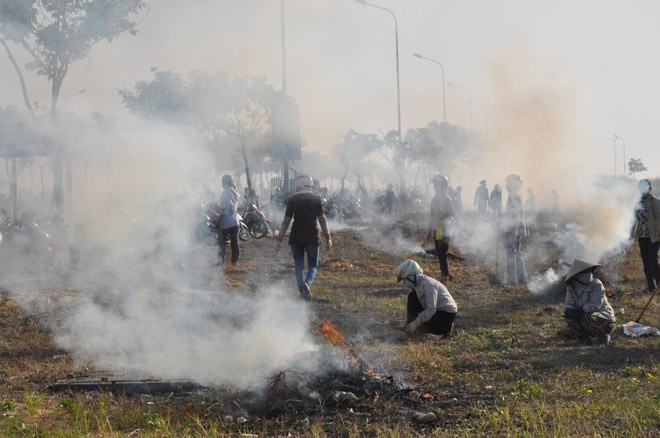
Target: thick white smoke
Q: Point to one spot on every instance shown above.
(146, 299)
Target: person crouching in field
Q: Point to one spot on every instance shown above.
(430, 308)
(586, 309)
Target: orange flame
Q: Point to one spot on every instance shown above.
(327, 329)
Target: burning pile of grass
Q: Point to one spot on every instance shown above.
(352, 386)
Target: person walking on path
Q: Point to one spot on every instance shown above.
(305, 209)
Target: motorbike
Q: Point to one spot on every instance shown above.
(24, 239)
(257, 223)
(206, 229)
(342, 208)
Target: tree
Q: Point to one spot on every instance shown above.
(352, 148)
(57, 33)
(635, 165)
(230, 112)
(438, 145)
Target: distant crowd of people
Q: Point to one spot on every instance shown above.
(430, 307)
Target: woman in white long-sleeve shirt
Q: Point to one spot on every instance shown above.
(430, 307)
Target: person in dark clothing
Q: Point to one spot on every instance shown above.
(442, 214)
(495, 201)
(647, 232)
(305, 209)
(390, 196)
(481, 198)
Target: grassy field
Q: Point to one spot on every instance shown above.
(508, 370)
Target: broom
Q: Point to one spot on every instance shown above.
(648, 303)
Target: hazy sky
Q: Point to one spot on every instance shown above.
(594, 64)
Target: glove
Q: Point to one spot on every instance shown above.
(413, 326)
(328, 244)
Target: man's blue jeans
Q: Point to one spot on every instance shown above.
(299, 252)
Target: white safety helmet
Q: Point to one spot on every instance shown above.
(513, 182)
(409, 267)
(440, 180)
(644, 186)
(305, 181)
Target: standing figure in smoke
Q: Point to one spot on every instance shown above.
(586, 309)
(647, 232)
(458, 201)
(390, 197)
(305, 208)
(228, 220)
(442, 213)
(430, 307)
(481, 198)
(530, 204)
(515, 229)
(495, 201)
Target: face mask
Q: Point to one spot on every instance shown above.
(644, 188)
(584, 277)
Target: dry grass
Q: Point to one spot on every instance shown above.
(506, 372)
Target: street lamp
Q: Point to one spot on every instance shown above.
(615, 138)
(71, 95)
(285, 162)
(396, 45)
(282, 32)
(444, 106)
(469, 98)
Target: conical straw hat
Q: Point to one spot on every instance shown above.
(580, 266)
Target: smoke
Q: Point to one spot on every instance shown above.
(146, 299)
(210, 336)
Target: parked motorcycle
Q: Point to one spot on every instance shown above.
(256, 221)
(24, 244)
(206, 229)
(26, 234)
(342, 207)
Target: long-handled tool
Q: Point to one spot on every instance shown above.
(496, 277)
(648, 303)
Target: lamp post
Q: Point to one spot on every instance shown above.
(623, 140)
(285, 162)
(396, 45)
(613, 140)
(469, 98)
(444, 106)
(282, 32)
(71, 95)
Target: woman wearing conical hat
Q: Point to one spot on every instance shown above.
(586, 309)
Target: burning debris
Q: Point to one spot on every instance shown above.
(351, 385)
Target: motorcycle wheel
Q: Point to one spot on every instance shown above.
(259, 230)
(243, 233)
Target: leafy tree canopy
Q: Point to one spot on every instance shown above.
(57, 33)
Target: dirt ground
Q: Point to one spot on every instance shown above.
(507, 340)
